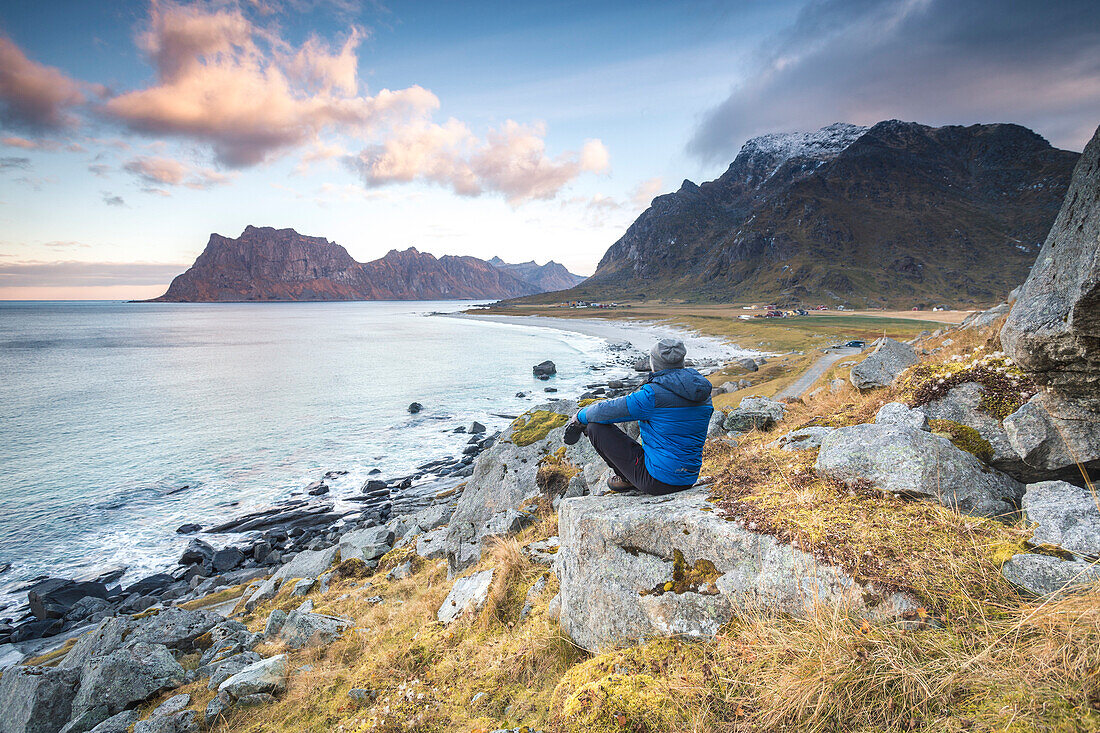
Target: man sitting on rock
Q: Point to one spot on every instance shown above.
(672, 409)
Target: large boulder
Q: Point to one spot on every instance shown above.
(1053, 435)
(267, 675)
(504, 478)
(36, 699)
(120, 680)
(53, 597)
(758, 413)
(1044, 575)
(176, 628)
(633, 568)
(889, 359)
(1053, 329)
(961, 405)
(366, 544)
(467, 596)
(304, 628)
(917, 464)
(1065, 516)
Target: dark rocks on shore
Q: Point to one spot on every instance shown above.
(52, 598)
(189, 528)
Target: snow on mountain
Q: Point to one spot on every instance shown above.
(764, 155)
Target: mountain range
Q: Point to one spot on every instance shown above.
(266, 264)
(898, 215)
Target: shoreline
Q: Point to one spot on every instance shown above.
(256, 541)
(639, 334)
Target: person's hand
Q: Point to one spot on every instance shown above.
(573, 430)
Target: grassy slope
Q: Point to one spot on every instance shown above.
(977, 657)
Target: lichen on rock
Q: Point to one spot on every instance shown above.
(535, 425)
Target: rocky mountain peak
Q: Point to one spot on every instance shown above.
(897, 214)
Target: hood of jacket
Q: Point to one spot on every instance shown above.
(686, 383)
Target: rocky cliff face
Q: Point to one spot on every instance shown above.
(898, 214)
(1053, 328)
(266, 264)
(549, 277)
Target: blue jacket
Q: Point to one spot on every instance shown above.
(673, 411)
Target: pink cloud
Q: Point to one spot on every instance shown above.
(157, 171)
(511, 160)
(34, 96)
(248, 93)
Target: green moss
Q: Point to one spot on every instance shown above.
(1005, 387)
(697, 578)
(534, 426)
(964, 437)
(589, 401)
(629, 690)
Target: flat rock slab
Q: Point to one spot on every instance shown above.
(619, 554)
(1065, 516)
(1043, 575)
(917, 464)
(467, 596)
(267, 675)
(803, 439)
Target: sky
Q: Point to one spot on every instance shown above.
(131, 130)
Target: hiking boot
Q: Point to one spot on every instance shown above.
(618, 483)
(573, 430)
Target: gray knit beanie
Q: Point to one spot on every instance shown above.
(667, 354)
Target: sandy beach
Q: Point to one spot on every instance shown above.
(639, 334)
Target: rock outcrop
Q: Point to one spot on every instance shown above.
(504, 479)
(467, 596)
(1053, 329)
(632, 568)
(1044, 575)
(889, 359)
(120, 680)
(1052, 434)
(914, 463)
(36, 699)
(1065, 516)
(961, 405)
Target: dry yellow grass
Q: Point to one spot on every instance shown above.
(978, 658)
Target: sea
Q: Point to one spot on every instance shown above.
(119, 422)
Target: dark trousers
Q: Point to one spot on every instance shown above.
(626, 458)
